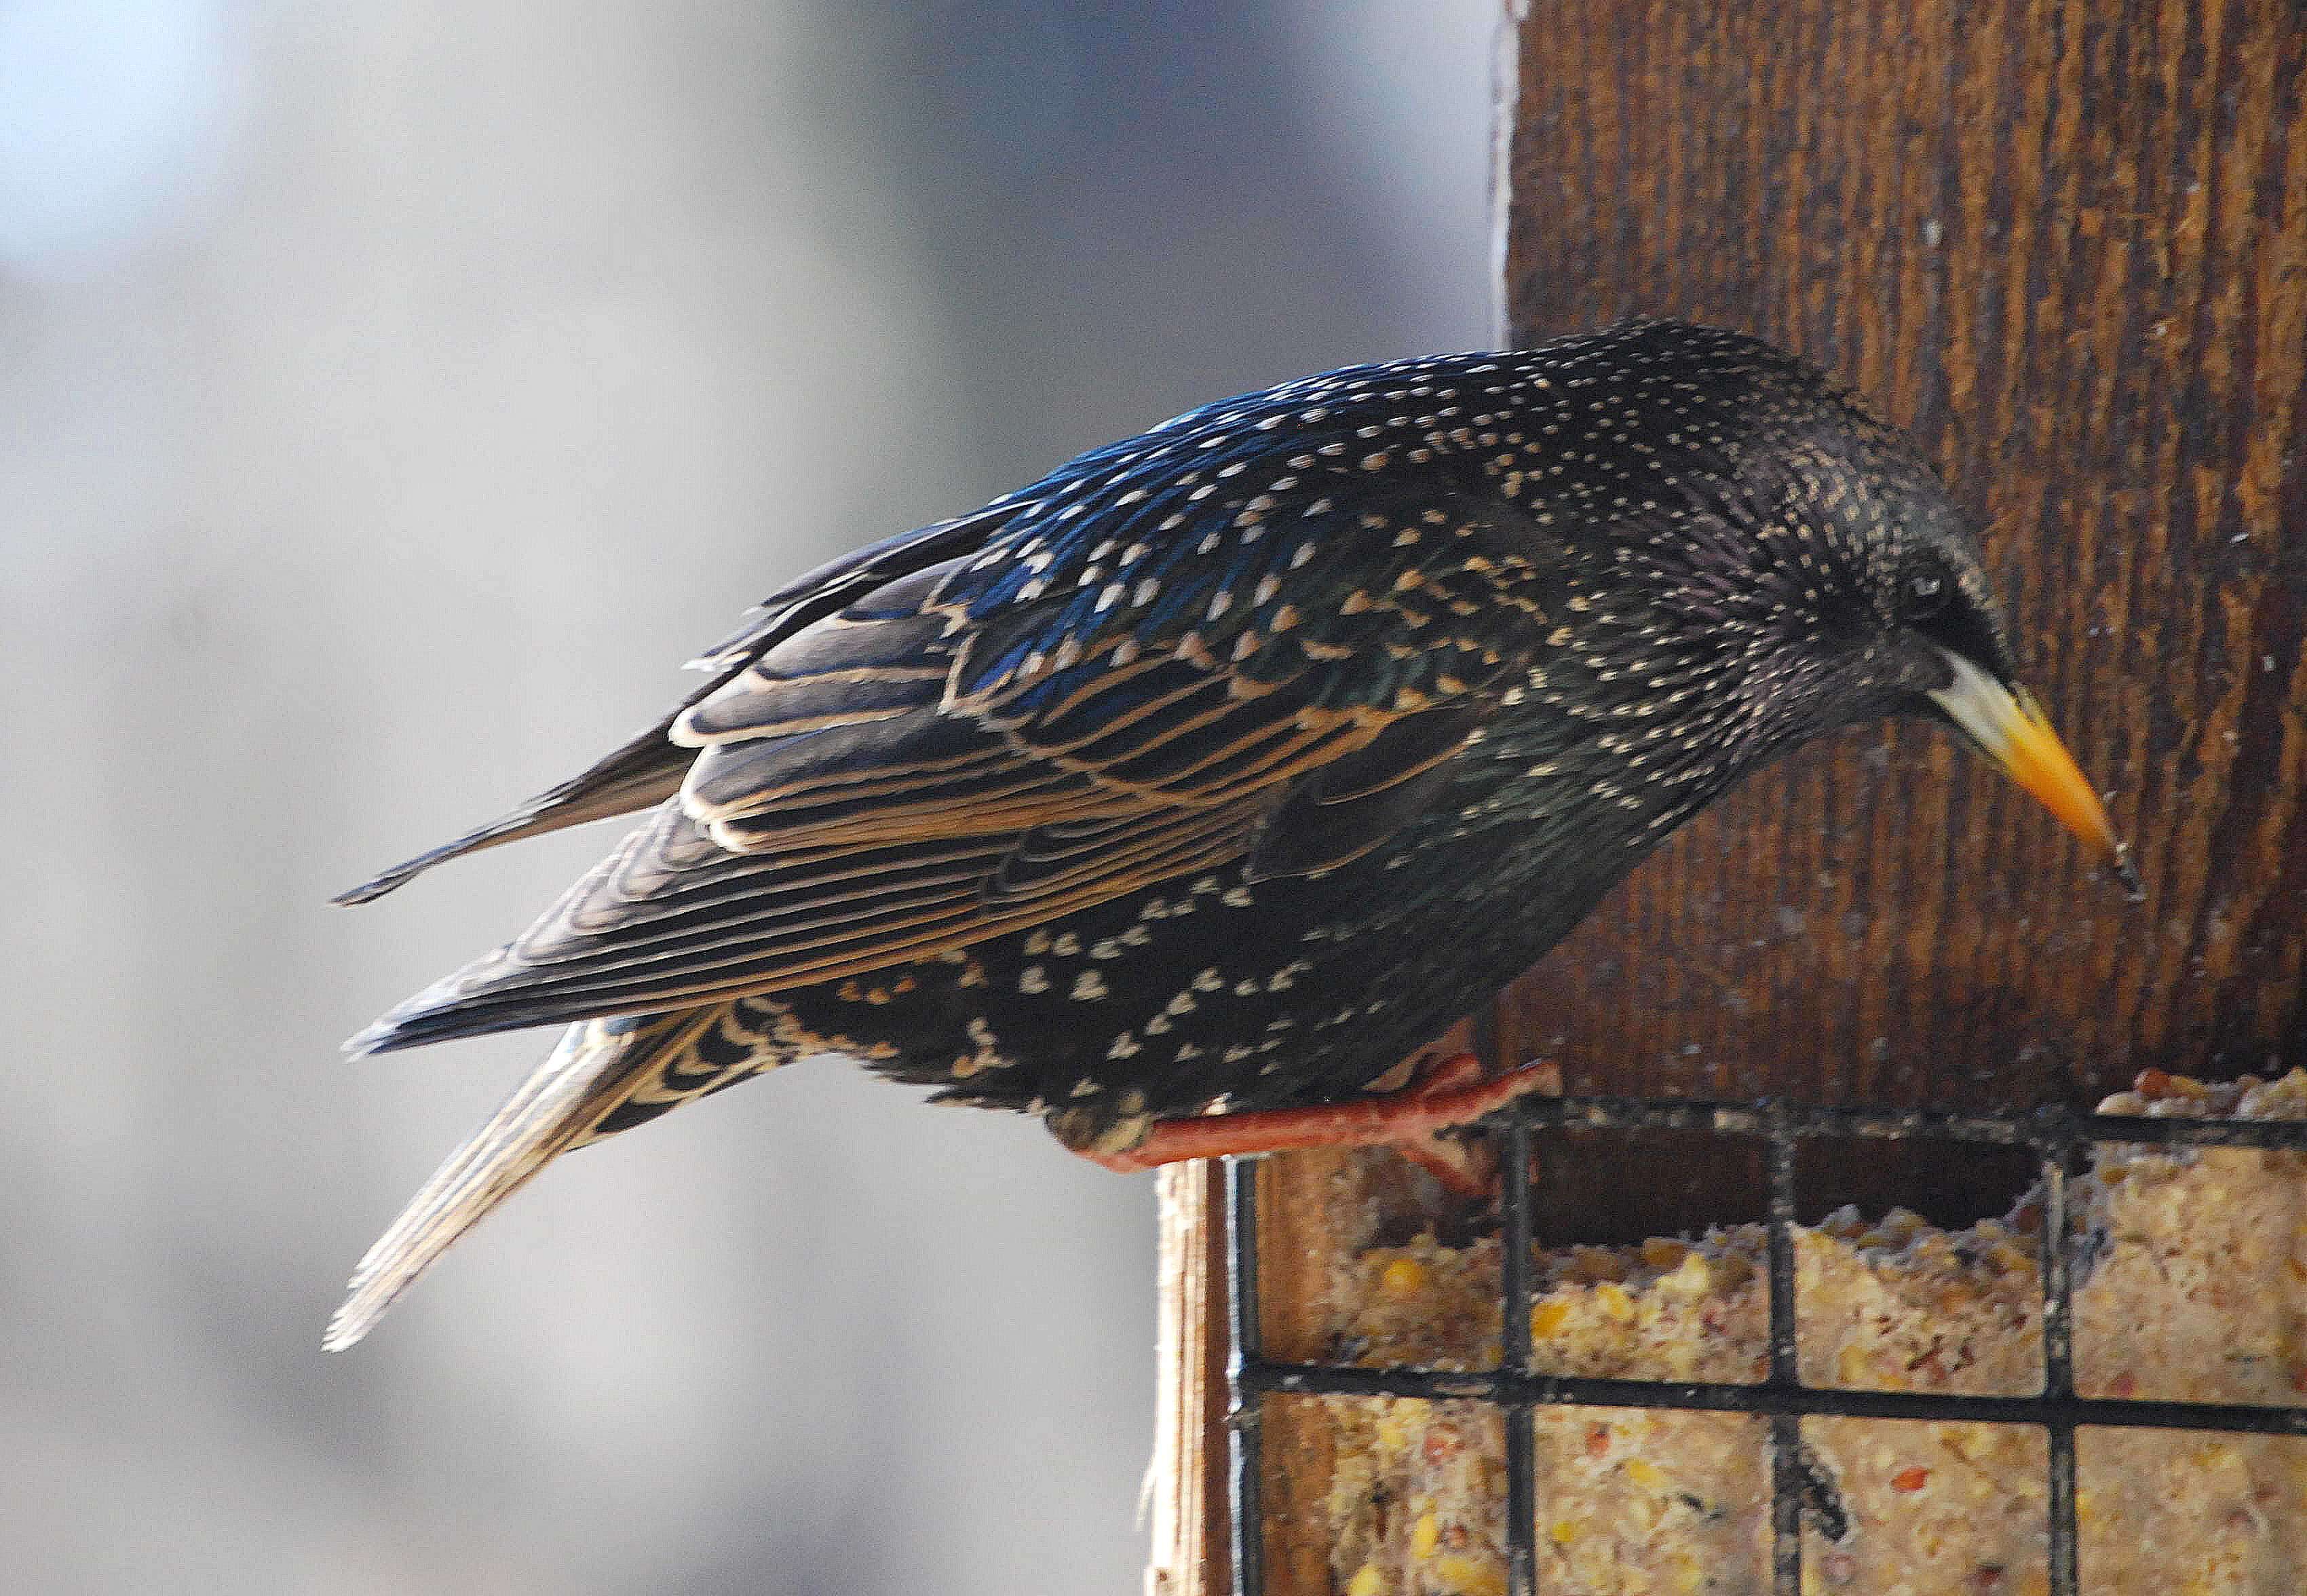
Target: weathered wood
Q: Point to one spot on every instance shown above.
(1185, 1483)
(2067, 244)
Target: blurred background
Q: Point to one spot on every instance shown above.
(392, 396)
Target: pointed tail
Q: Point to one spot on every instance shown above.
(605, 1075)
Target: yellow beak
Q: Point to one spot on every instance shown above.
(2009, 728)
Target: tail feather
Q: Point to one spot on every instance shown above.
(600, 1067)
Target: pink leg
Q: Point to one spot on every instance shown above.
(1453, 1092)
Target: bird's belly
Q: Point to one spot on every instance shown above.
(1204, 987)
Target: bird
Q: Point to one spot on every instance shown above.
(1180, 796)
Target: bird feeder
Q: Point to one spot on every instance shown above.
(1835, 1048)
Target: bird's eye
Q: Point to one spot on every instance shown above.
(1925, 592)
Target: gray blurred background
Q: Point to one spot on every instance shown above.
(391, 395)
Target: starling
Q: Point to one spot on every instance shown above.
(1177, 797)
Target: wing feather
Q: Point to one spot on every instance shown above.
(647, 770)
(862, 790)
(651, 766)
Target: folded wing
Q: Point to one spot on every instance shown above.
(950, 754)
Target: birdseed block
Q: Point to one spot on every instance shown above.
(2192, 1284)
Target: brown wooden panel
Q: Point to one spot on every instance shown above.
(1185, 1483)
(2067, 244)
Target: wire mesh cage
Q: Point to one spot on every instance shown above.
(1516, 1391)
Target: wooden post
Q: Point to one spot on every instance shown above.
(2067, 245)
(1186, 1484)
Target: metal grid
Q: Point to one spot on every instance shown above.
(2057, 1136)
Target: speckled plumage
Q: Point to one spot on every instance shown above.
(1231, 762)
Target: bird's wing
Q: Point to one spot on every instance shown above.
(953, 756)
(648, 770)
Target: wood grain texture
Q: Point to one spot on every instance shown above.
(2066, 244)
(1185, 1483)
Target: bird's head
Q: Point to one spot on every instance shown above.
(1890, 576)
(1781, 563)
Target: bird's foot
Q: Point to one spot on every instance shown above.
(1464, 1167)
(1452, 1093)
